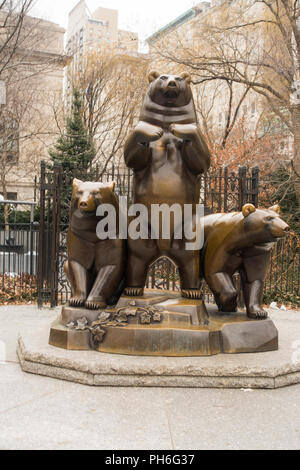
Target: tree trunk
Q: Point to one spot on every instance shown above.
(6, 208)
(296, 161)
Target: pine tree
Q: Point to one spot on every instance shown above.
(74, 150)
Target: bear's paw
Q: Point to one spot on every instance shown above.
(257, 313)
(191, 293)
(95, 303)
(134, 291)
(77, 301)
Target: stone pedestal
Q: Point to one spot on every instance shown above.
(269, 370)
(163, 324)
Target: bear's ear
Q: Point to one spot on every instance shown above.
(112, 186)
(186, 76)
(275, 208)
(248, 209)
(153, 76)
(76, 183)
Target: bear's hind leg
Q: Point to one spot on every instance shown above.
(224, 291)
(137, 270)
(78, 277)
(106, 283)
(189, 268)
(141, 254)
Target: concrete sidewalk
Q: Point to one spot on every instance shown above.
(42, 413)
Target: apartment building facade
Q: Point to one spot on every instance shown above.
(33, 87)
(89, 32)
(104, 57)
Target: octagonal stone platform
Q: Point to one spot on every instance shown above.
(267, 370)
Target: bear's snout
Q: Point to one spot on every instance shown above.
(87, 204)
(171, 88)
(280, 229)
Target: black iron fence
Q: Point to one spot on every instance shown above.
(32, 255)
(221, 190)
(283, 279)
(19, 243)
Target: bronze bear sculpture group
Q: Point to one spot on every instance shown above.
(167, 152)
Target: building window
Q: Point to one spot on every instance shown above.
(11, 196)
(96, 22)
(9, 140)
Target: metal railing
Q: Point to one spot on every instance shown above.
(18, 254)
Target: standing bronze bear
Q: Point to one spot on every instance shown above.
(95, 268)
(167, 152)
(240, 242)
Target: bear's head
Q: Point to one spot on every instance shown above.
(265, 223)
(170, 90)
(87, 196)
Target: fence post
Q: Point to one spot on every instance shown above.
(225, 189)
(55, 234)
(40, 277)
(242, 186)
(255, 186)
(31, 238)
(220, 176)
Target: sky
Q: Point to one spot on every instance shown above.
(141, 16)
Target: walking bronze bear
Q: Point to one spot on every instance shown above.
(240, 242)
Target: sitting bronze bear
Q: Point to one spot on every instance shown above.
(95, 268)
